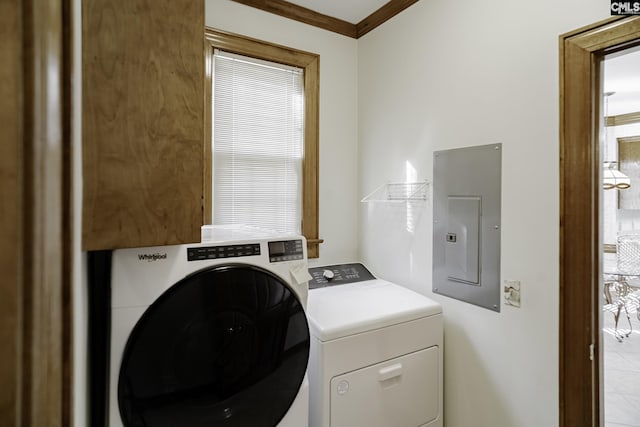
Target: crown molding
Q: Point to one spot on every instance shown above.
(382, 15)
(302, 14)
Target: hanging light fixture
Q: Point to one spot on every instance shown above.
(611, 176)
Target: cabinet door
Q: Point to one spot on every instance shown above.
(143, 122)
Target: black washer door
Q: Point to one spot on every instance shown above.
(227, 346)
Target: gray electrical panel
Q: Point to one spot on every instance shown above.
(466, 231)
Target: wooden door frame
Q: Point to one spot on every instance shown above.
(581, 52)
(36, 256)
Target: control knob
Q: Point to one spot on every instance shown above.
(328, 274)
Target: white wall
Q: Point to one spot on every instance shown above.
(338, 196)
(445, 75)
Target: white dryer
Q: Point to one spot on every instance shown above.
(211, 334)
(376, 352)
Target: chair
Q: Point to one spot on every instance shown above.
(624, 296)
(628, 248)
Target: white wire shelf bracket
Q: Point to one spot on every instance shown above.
(398, 192)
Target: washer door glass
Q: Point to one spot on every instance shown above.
(227, 346)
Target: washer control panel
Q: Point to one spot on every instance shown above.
(285, 250)
(224, 251)
(339, 274)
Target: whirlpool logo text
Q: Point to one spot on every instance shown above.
(152, 257)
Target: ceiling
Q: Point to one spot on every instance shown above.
(352, 11)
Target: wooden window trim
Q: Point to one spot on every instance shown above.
(623, 119)
(629, 139)
(310, 63)
(620, 141)
(580, 78)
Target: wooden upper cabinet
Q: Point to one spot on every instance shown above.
(143, 122)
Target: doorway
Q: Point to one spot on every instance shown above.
(620, 235)
(582, 52)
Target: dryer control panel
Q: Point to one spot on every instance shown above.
(340, 274)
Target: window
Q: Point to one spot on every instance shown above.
(262, 122)
(258, 136)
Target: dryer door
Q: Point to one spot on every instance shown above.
(227, 346)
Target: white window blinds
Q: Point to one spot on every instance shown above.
(258, 143)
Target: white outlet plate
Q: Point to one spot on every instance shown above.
(512, 293)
